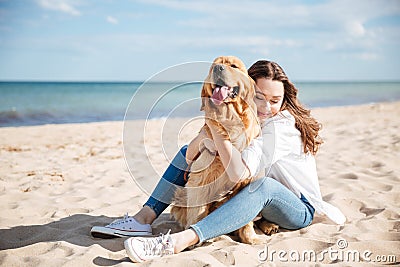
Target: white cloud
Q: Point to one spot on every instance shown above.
(364, 56)
(112, 20)
(338, 26)
(367, 56)
(355, 28)
(60, 5)
(335, 16)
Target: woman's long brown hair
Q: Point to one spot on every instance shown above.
(307, 125)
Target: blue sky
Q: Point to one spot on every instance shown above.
(127, 40)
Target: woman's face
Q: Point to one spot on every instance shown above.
(269, 97)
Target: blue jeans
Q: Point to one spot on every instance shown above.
(275, 201)
(174, 176)
(277, 204)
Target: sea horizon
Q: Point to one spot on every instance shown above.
(174, 81)
(25, 103)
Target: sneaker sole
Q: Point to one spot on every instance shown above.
(106, 233)
(131, 254)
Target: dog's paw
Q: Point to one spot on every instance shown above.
(268, 228)
(248, 235)
(253, 240)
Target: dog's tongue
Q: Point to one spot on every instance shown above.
(219, 95)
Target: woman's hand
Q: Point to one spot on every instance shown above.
(230, 156)
(209, 145)
(194, 146)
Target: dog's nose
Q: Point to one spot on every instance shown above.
(219, 68)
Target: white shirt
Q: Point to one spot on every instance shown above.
(279, 152)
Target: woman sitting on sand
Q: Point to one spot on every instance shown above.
(287, 196)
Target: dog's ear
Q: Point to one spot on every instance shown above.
(203, 95)
(247, 98)
(252, 88)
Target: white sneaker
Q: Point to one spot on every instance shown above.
(140, 249)
(124, 227)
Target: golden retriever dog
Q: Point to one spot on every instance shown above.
(228, 102)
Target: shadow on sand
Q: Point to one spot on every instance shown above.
(75, 229)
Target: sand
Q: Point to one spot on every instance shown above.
(57, 181)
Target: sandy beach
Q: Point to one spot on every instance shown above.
(57, 181)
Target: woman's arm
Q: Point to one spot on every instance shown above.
(231, 157)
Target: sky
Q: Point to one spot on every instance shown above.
(128, 40)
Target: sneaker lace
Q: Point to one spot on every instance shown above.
(159, 246)
(119, 221)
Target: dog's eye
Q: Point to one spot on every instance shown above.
(234, 66)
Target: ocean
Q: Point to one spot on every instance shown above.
(36, 103)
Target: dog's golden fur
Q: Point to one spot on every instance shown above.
(208, 186)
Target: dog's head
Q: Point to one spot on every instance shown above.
(228, 100)
(227, 83)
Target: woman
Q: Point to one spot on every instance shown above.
(287, 196)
